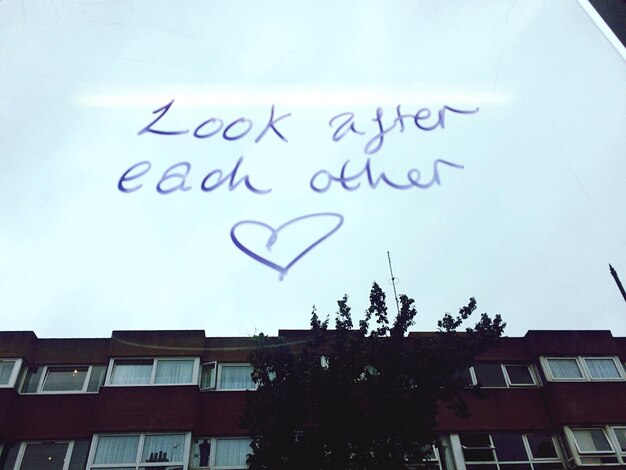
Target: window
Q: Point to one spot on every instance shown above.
(582, 368)
(602, 368)
(620, 438)
(220, 453)
(507, 451)
(63, 379)
(432, 461)
(597, 445)
(167, 371)
(47, 455)
(139, 452)
(519, 375)
(233, 376)
(492, 375)
(9, 369)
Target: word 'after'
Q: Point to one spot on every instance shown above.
(422, 120)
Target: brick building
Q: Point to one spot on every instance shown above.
(171, 400)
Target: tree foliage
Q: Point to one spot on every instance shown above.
(372, 402)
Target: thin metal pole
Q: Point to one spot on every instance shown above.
(393, 283)
(617, 281)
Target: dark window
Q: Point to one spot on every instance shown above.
(44, 456)
(477, 448)
(489, 375)
(96, 380)
(542, 446)
(31, 382)
(65, 379)
(509, 447)
(519, 375)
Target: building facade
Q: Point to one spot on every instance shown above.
(144, 400)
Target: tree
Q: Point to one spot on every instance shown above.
(363, 398)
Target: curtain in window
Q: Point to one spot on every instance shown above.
(6, 367)
(232, 452)
(591, 440)
(174, 372)
(130, 374)
(163, 448)
(116, 449)
(236, 377)
(565, 369)
(602, 368)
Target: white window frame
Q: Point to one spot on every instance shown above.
(531, 370)
(112, 361)
(436, 460)
(611, 438)
(618, 448)
(138, 463)
(618, 367)
(457, 451)
(212, 455)
(507, 379)
(584, 370)
(44, 375)
(17, 366)
(217, 375)
(22, 451)
(213, 383)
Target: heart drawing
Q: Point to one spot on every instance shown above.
(273, 236)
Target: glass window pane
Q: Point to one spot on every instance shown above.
(542, 446)
(510, 448)
(174, 371)
(65, 379)
(236, 378)
(477, 447)
(621, 437)
(604, 368)
(479, 455)
(97, 378)
(44, 456)
(207, 379)
(31, 381)
(565, 369)
(117, 449)
(481, 467)
(515, 466)
(548, 466)
(519, 375)
(489, 375)
(9, 454)
(231, 452)
(163, 448)
(475, 440)
(158, 467)
(591, 440)
(79, 455)
(131, 373)
(6, 369)
(201, 452)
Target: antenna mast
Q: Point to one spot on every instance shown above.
(393, 283)
(617, 281)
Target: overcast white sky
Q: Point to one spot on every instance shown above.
(528, 212)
